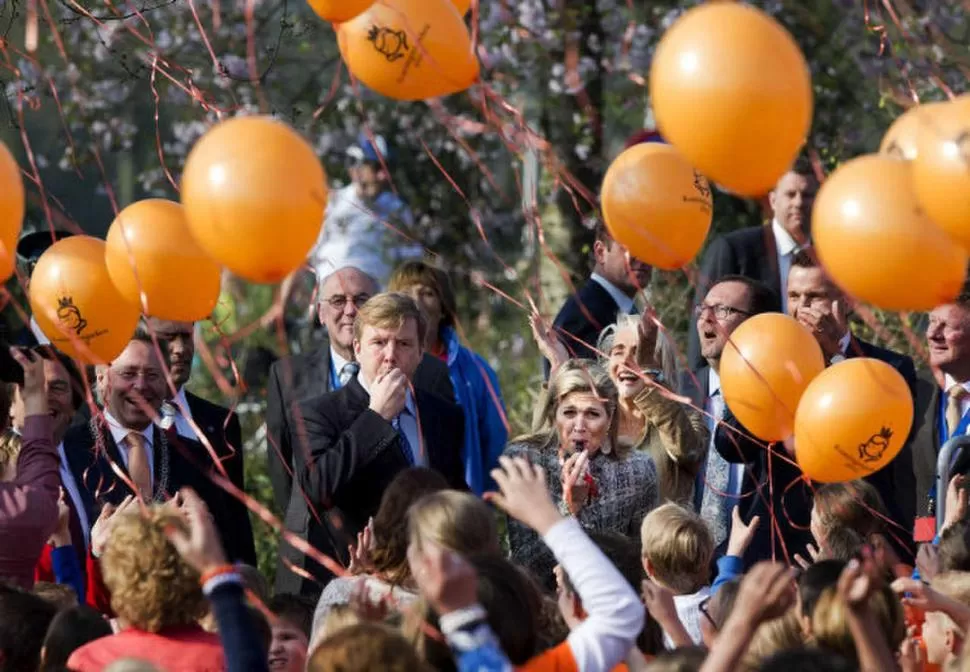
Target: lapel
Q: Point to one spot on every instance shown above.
(768, 264)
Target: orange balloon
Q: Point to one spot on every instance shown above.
(11, 202)
(7, 261)
(852, 420)
(339, 10)
(410, 49)
(941, 171)
(875, 242)
(462, 6)
(254, 194)
(900, 139)
(732, 91)
(765, 367)
(76, 305)
(151, 239)
(656, 205)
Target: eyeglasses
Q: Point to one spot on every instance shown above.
(720, 311)
(339, 301)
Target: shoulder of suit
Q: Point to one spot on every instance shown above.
(79, 435)
(440, 404)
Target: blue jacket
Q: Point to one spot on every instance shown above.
(478, 394)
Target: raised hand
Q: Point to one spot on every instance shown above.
(814, 556)
(446, 580)
(200, 545)
(575, 486)
(388, 394)
(550, 345)
(524, 494)
(360, 555)
(741, 535)
(101, 531)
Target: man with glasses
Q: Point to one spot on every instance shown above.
(328, 368)
(727, 304)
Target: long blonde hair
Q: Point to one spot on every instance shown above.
(575, 376)
(457, 521)
(663, 352)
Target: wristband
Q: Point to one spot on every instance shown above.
(213, 572)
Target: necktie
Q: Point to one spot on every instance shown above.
(715, 505)
(348, 371)
(954, 408)
(169, 413)
(405, 444)
(138, 467)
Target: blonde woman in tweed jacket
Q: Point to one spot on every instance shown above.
(593, 475)
(641, 362)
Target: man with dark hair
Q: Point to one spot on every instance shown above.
(609, 291)
(219, 425)
(762, 252)
(729, 302)
(942, 404)
(822, 308)
(24, 619)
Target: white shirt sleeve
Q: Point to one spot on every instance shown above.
(615, 613)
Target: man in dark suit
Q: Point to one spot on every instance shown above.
(722, 481)
(152, 460)
(821, 307)
(763, 253)
(369, 430)
(610, 289)
(219, 425)
(295, 379)
(942, 401)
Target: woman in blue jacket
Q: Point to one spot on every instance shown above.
(475, 382)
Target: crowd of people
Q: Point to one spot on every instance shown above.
(637, 525)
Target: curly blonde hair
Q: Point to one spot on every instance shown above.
(152, 588)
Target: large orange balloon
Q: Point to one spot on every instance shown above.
(900, 139)
(732, 91)
(941, 171)
(852, 420)
(76, 305)
(462, 6)
(254, 194)
(339, 10)
(765, 367)
(150, 239)
(410, 49)
(877, 244)
(657, 205)
(11, 204)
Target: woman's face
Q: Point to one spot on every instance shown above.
(582, 422)
(427, 299)
(623, 367)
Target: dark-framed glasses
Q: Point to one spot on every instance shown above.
(720, 311)
(339, 301)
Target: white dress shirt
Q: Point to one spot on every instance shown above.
(74, 492)
(408, 421)
(119, 433)
(624, 303)
(785, 247)
(183, 416)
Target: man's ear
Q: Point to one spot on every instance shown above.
(356, 350)
(599, 251)
(772, 199)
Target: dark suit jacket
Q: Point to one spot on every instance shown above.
(792, 507)
(293, 380)
(925, 444)
(896, 482)
(221, 427)
(354, 455)
(584, 315)
(750, 252)
(90, 462)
